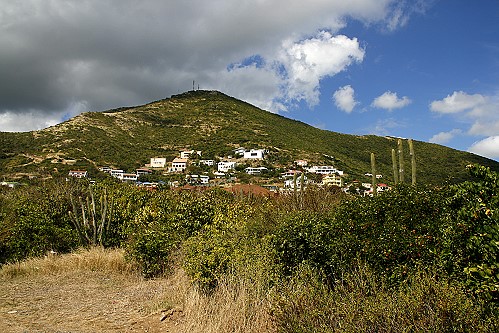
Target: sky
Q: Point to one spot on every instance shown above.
(421, 69)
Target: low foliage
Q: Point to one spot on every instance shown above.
(361, 302)
(319, 248)
(167, 220)
(474, 234)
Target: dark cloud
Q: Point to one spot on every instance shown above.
(58, 57)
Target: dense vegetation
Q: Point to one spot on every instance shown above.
(423, 257)
(214, 123)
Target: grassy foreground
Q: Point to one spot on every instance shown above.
(97, 290)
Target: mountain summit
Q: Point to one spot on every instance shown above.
(216, 124)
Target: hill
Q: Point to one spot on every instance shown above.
(214, 123)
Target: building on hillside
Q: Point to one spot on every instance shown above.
(225, 166)
(105, 169)
(189, 153)
(178, 165)
(143, 171)
(254, 154)
(382, 187)
(129, 177)
(332, 179)
(78, 173)
(324, 170)
(158, 162)
(117, 173)
(290, 174)
(197, 179)
(255, 171)
(239, 151)
(10, 184)
(370, 175)
(301, 163)
(207, 162)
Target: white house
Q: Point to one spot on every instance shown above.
(129, 177)
(158, 162)
(254, 154)
(324, 170)
(207, 162)
(10, 184)
(239, 151)
(290, 174)
(370, 175)
(178, 165)
(105, 169)
(225, 166)
(188, 153)
(255, 171)
(197, 179)
(332, 179)
(78, 173)
(117, 173)
(301, 163)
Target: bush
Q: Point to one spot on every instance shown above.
(363, 303)
(35, 220)
(164, 222)
(393, 232)
(235, 243)
(473, 232)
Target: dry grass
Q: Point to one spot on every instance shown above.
(96, 290)
(95, 259)
(232, 307)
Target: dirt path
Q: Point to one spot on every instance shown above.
(86, 301)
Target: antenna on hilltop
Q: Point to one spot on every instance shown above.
(193, 85)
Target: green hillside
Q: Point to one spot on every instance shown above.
(214, 123)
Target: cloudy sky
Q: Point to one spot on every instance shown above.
(421, 69)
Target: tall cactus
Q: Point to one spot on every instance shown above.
(401, 161)
(93, 224)
(413, 162)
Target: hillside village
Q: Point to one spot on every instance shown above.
(248, 166)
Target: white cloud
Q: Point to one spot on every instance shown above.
(308, 61)
(22, 122)
(485, 127)
(445, 137)
(390, 101)
(459, 101)
(29, 120)
(488, 147)
(481, 112)
(344, 99)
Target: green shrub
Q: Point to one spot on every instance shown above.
(236, 243)
(165, 221)
(394, 232)
(473, 232)
(35, 220)
(363, 303)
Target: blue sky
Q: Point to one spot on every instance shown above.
(422, 69)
